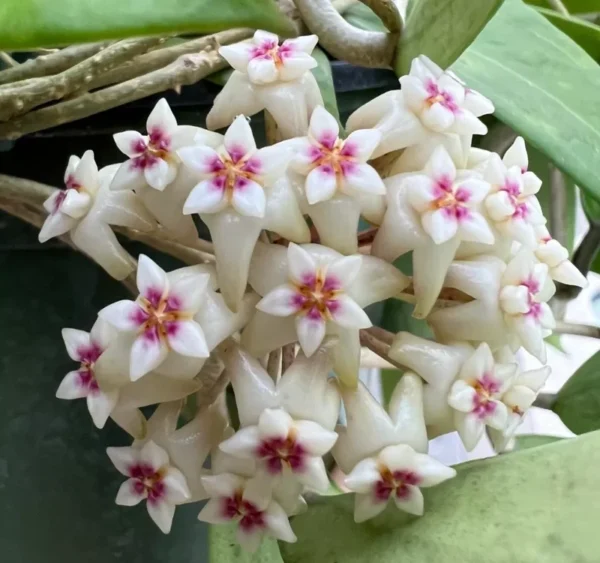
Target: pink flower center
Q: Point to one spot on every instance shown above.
(333, 155)
(533, 287)
(394, 482)
(451, 199)
(147, 481)
(235, 171)
(517, 199)
(271, 50)
(439, 96)
(317, 296)
(277, 452)
(484, 403)
(157, 147)
(250, 517)
(158, 315)
(88, 356)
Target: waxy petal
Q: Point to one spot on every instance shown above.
(367, 506)
(131, 143)
(310, 333)
(315, 439)
(151, 280)
(274, 423)
(101, 404)
(412, 502)
(295, 65)
(161, 119)
(440, 165)
(76, 204)
(364, 178)
(239, 140)
(437, 118)
(123, 458)
(237, 55)
(262, 70)
(362, 143)
(321, 184)
(128, 495)
(187, 338)
(474, 228)
(147, 353)
(470, 428)
(201, 159)
(244, 443)
(207, 197)
(301, 264)
(55, 225)
(249, 198)
(462, 396)
(323, 127)
(76, 341)
(516, 155)
(160, 173)
(363, 477)
(345, 270)
(349, 314)
(188, 293)
(439, 225)
(128, 177)
(125, 315)
(162, 513)
(314, 475)
(71, 387)
(281, 301)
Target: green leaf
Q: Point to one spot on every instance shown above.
(573, 6)
(442, 30)
(538, 504)
(543, 85)
(224, 548)
(28, 24)
(526, 441)
(324, 78)
(578, 402)
(363, 17)
(585, 34)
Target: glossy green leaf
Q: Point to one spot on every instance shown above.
(324, 78)
(578, 402)
(573, 6)
(585, 34)
(534, 505)
(363, 17)
(442, 30)
(224, 548)
(543, 85)
(27, 24)
(526, 441)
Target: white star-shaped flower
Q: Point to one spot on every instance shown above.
(512, 205)
(311, 290)
(463, 387)
(431, 213)
(87, 207)
(86, 348)
(335, 184)
(431, 102)
(509, 304)
(383, 454)
(243, 190)
(272, 77)
(286, 426)
(151, 477)
(550, 252)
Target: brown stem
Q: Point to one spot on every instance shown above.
(373, 343)
(343, 40)
(52, 63)
(381, 334)
(367, 236)
(20, 98)
(187, 69)
(577, 330)
(143, 64)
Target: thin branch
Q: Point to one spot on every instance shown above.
(343, 40)
(558, 6)
(6, 58)
(388, 13)
(373, 343)
(545, 400)
(52, 63)
(577, 330)
(143, 64)
(187, 69)
(35, 218)
(558, 205)
(157, 240)
(19, 99)
(385, 336)
(24, 190)
(587, 250)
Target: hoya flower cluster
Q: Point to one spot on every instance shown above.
(291, 276)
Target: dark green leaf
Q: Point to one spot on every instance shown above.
(224, 548)
(534, 505)
(442, 30)
(27, 24)
(543, 85)
(578, 402)
(585, 34)
(363, 17)
(324, 78)
(526, 441)
(573, 6)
